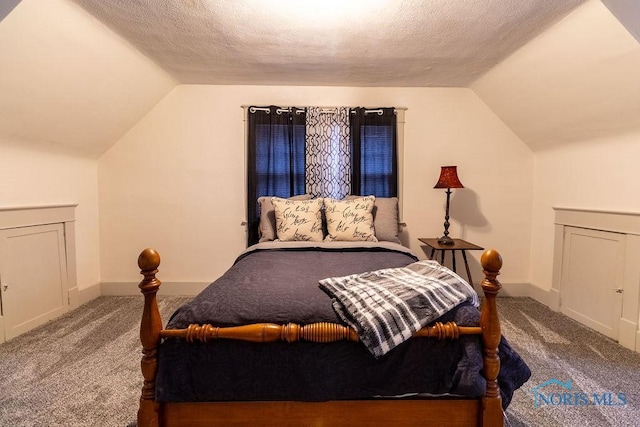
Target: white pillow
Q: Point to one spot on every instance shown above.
(298, 219)
(350, 220)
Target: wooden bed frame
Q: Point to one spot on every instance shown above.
(484, 411)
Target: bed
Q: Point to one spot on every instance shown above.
(265, 345)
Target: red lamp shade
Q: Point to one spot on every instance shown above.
(449, 178)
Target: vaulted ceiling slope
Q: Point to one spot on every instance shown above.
(68, 83)
(329, 42)
(578, 81)
(78, 74)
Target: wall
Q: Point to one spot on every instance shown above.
(175, 181)
(599, 174)
(36, 176)
(573, 95)
(70, 88)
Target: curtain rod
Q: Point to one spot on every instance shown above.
(326, 107)
(278, 111)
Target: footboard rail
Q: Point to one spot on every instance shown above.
(315, 332)
(151, 333)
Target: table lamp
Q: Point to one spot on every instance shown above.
(448, 179)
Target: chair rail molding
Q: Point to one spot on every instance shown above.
(24, 216)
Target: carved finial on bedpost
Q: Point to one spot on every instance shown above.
(148, 261)
(490, 323)
(150, 328)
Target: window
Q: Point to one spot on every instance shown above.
(293, 151)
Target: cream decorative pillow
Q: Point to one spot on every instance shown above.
(350, 220)
(298, 219)
(385, 218)
(267, 225)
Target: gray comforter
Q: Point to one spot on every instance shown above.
(280, 285)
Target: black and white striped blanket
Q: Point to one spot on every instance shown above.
(386, 307)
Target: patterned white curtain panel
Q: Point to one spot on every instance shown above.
(328, 158)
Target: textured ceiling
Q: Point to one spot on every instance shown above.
(337, 43)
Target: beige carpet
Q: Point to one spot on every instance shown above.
(579, 377)
(83, 369)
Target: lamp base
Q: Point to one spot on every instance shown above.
(445, 240)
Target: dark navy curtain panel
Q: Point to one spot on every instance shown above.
(275, 158)
(374, 161)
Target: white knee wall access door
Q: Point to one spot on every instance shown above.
(592, 269)
(33, 277)
(596, 273)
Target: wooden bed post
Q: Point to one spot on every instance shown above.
(150, 328)
(490, 323)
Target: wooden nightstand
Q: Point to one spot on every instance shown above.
(458, 245)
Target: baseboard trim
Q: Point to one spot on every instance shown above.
(87, 294)
(554, 300)
(167, 288)
(627, 334)
(74, 298)
(525, 290)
